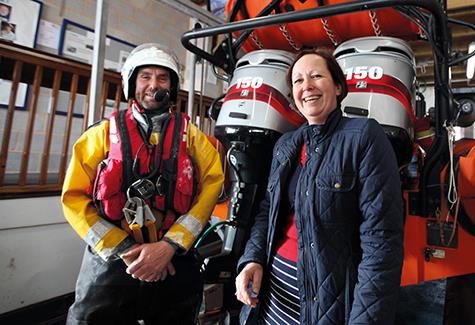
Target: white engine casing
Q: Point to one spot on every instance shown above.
(381, 79)
(258, 95)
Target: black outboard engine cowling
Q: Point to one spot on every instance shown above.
(256, 110)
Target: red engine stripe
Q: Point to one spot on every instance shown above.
(271, 97)
(386, 85)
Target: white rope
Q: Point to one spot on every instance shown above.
(452, 196)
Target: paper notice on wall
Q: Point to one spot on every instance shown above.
(48, 34)
(78, 46)
(5, 91)
(111, 65)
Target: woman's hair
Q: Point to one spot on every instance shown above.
(337, 74)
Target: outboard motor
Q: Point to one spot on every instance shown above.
(256, 110)
(380, 72)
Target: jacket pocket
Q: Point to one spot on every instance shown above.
(336, 182)
(336, 197)
(107, 195)
(186, 186)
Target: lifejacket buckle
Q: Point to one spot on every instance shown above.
(138, 214)
(143, 187)
(134, 211)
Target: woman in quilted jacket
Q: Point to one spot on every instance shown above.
(327, 244)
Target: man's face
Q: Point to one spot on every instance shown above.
(149, 80)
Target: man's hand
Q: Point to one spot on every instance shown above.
(150, 262)
(170, 269)
(251, 273)
(129, 258)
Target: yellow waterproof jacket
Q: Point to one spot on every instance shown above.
(104, 237)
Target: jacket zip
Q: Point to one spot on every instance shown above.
(313, 151)
(317, 196)
(307, 311)
(308, 290)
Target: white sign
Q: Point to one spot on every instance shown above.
(79, 46)
(48, 34)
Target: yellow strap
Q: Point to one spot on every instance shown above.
(152, 231)
(124, 225)
(137, 233)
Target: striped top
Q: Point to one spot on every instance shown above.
(282, 303)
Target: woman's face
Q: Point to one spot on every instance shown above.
(313, 88)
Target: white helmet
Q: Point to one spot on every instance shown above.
(150, 54)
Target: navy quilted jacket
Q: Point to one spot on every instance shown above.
(349, 218)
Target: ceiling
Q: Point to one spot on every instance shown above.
(461, 38)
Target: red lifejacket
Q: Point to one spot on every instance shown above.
(131, 159)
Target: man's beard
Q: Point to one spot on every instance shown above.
(156, 107)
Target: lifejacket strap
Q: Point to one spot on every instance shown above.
(174, 159)
(127, 158)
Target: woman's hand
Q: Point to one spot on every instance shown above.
(248, 284)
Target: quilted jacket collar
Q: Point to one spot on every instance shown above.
(311, 133)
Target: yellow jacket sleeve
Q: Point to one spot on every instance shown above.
(186, 229)
(88, 151)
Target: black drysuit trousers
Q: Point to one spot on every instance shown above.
(106, 294)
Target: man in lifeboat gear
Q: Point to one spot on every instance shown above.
(139, 189)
